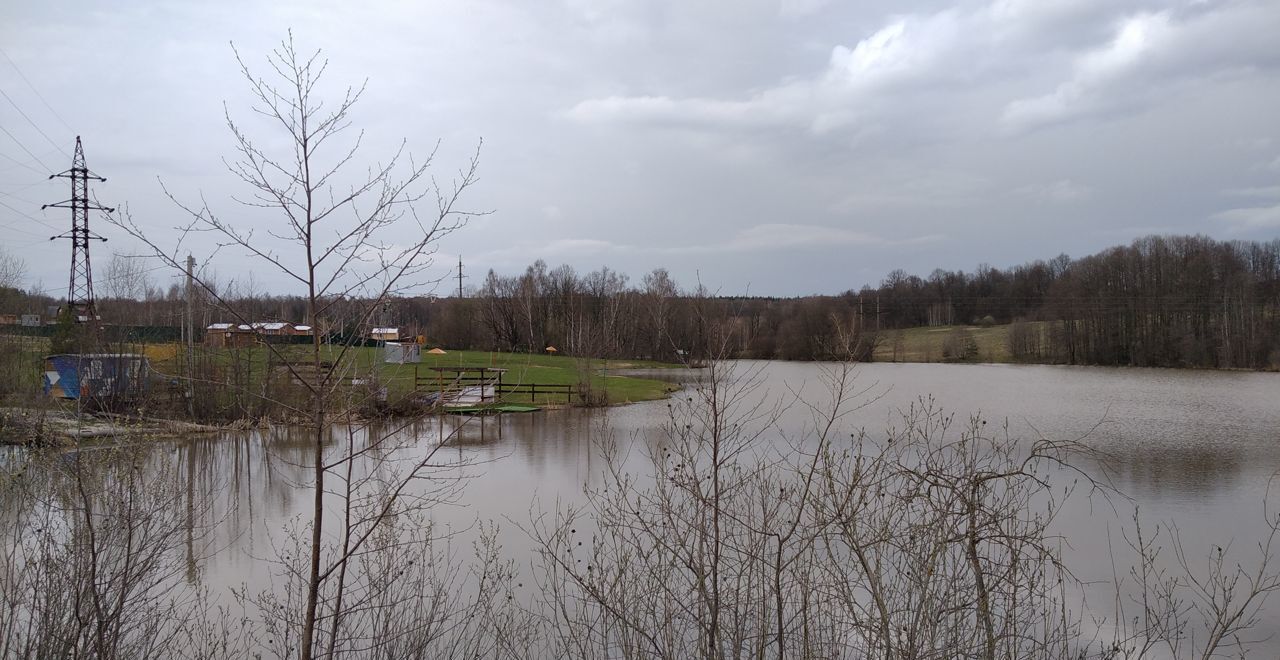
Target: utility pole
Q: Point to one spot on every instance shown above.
(190, 330)
(80, 289)
(459, 277)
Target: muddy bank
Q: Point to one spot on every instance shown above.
(46, 427)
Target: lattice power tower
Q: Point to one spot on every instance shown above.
(80, 290)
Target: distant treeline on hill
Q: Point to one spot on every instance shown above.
(1186, 301)
(1178, 301)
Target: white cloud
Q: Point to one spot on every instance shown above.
(1152, 52)
(1244, 219)
(1262, 191)
(1062, 191)
(771, 236)
(1093, 72)
(784, 236)
(800, 8)
(662, 109)
(909, 49)
(960, 51)
(560, 248)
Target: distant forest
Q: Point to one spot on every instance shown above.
(1174, 301)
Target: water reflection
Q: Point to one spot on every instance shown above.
(1196, 446)
(1180, 472)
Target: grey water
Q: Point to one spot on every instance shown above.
(1195, 448)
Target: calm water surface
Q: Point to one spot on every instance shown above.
(1196, 447)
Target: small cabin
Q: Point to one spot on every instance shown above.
(385, 334)
(228, 335)
(273, 328)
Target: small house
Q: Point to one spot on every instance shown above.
(228, 335)
(273, 328)
(385, 334)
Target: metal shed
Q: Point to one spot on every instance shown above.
(119, 376)
(401, 353)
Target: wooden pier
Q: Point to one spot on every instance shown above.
(471, 386)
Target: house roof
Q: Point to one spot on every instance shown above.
(385, 331)
(273, 325)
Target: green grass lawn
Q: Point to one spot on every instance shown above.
(525, 369)
(400, 378)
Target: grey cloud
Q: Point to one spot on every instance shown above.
(1062, 191)
(1257, 217)
(1152, 50)
(803, 145)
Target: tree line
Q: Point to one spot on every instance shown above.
(1163, 301)
(1179, 301)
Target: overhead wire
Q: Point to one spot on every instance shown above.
(27, 215)
(22, 164)
(33, 124)
(37, 92)
(20, 230)
(24, 148)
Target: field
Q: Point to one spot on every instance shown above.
(399, 379)
(925, 344)
(526, 369)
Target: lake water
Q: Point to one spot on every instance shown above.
(1195, 447)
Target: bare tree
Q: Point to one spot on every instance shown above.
(96, 555)
(127, 277)
(932, 541)
(348, 241)
(12, 270)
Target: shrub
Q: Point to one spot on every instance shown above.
(959, 346)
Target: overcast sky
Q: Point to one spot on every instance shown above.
(769, 147)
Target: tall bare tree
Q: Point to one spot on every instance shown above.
(127, 277)
(12, 270)
(339, 236)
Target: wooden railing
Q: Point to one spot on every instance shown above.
(551, 393)
(495, 391)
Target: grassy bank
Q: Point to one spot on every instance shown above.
(525, 369)
(400, 379)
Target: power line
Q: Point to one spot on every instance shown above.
(32, 122)
(37, 92)
(24, 148)
(27, 215)
(22, 164)
(18, 229)
(19, 187)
